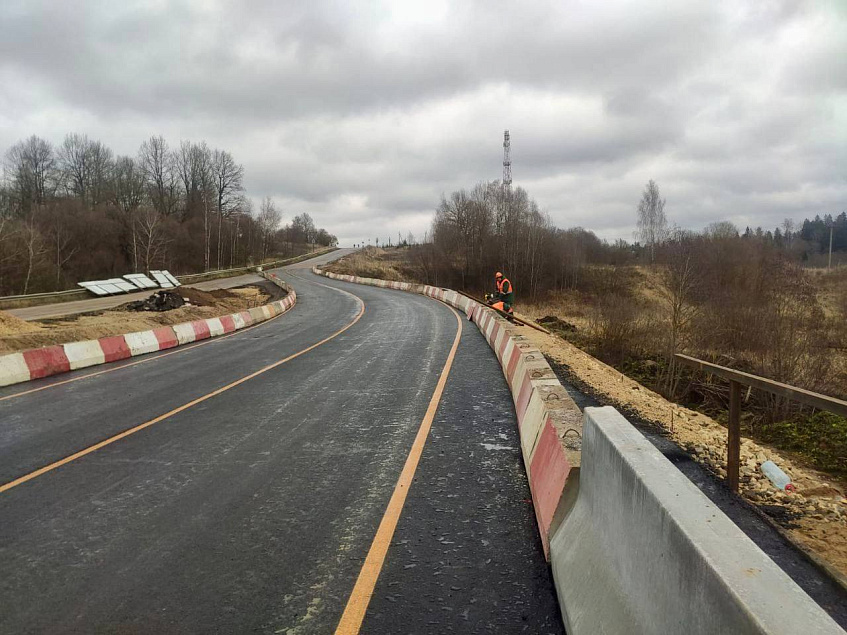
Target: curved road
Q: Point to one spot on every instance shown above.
(237, 485)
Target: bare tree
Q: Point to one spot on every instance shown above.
(680, 280)
(151, 236)
(128, 193)
(33, 246)
(57, 223)
(269, 220)
(242, 209)
(538, 227)
(720, 230)
(159, 166)
(228, 177)
(86, 168)
(194, 166)
(8, 250)
(192, 161)
(788, 231)
(32, 168)
(652, 223)
(73, 161)
(101, 163)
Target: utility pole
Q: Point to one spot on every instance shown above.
(831, 227)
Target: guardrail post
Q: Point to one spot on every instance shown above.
(733, 444)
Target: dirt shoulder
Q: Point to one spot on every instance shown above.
(17, 334)
(815, 516)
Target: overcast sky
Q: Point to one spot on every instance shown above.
(363, 114)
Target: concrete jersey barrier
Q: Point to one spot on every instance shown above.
(61, 358)
(654, 555)
(634, 546)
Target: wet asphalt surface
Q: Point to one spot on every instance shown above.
(465, 554)
(253, 510)
(825, 591)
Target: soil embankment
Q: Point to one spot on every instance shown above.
(17, 334)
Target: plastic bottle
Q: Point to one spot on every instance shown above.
(780, 479)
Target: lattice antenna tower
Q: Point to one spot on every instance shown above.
(507, 162)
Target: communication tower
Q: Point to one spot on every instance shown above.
(507, 162)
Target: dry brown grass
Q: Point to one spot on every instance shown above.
(373, 262)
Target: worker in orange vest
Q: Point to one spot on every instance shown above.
(505, 296)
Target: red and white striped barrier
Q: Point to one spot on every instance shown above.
(549, 422)
(52, 360)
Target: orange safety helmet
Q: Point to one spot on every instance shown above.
(498, 275)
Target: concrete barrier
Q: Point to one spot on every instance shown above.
(84, 354)
(52, 360)
(642, 550)
(141, 343)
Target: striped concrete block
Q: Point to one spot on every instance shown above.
(185, 333)
(549, 472)
(43, 362)
(215, 327)
(530, 427)
(238, 320)
(13, 369)
(228, 323)
(257, 315)
(201, 330)
(114, 348)
(166, 337)
(84, 354)
(141, 342)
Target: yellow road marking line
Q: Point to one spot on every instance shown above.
(194, 402)
(357, 604)
(177, 349)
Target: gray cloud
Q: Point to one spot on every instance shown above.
(364, 115)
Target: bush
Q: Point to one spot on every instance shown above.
(822, 438)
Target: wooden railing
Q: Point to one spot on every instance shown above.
(737, 379)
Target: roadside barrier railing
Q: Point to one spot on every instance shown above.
(737, 379)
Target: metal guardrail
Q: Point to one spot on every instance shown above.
(234, 271)
(736, 379)
(35, 296)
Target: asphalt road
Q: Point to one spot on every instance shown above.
(257, 468)
(101, 304)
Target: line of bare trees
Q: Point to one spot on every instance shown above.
(489, 228)
(76, 211)
(743, 298)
